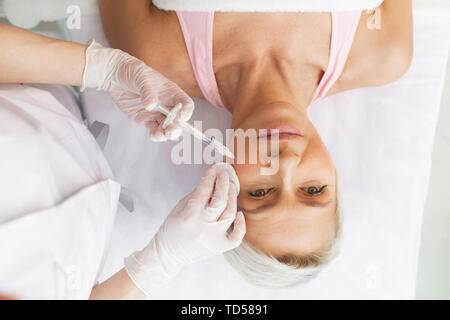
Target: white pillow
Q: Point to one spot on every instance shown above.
(267, 5)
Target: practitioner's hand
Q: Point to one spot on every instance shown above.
(136, 89)
(203, 224)
(196, 229)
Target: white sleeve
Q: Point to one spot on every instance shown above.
(58, 198)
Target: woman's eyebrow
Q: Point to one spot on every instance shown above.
(258, 209)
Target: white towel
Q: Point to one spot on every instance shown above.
(267, 5)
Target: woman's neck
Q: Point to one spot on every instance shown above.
(263, 80)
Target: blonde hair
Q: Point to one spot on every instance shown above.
(267, 271)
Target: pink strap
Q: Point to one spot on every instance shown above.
(197, 29)
(343, 32)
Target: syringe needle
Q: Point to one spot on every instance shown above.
(170, 117)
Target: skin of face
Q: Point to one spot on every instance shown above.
(294, 210)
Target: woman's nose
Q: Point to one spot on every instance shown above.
(290, 158)
(293, 149)
(287, 154)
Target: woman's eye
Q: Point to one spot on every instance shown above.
(259, 193)
(313, 190)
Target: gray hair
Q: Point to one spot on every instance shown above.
(267, 271)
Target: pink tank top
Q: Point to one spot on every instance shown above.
(197, 29)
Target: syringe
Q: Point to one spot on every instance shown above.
(171, 115)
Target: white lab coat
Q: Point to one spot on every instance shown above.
(58, 198)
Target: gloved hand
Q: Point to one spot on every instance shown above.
(196, 229)
(136, 89)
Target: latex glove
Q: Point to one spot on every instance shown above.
(203, 224)
(136, 89)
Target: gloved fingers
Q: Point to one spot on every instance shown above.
(166, 93)
(219, 198)
(133, 105)
(180, 113)
(172, 116)
(201, 195)
(125, 97)
(149, 97)
(174, 96)
(137, 116)
(171, 127)
(187, 108)
(158, 134)
(233, 176)
(238, 233)
(173, 131)
(230, 211)
(143, 116)
(158, 129)
(148, 113)
(128, 102)
(169, 95)
(155, 131)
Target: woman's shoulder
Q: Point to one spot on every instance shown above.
(150, 34)
(381, 56)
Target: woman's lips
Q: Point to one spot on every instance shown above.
(286, 132)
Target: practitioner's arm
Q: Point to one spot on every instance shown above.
(196, 229)
(119, 286)
(26, 57)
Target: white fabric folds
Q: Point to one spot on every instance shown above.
(267, 5)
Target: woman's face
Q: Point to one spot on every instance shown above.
(294, 210)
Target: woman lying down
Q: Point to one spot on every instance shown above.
(266, 69)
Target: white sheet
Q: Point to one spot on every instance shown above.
(381, 140)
